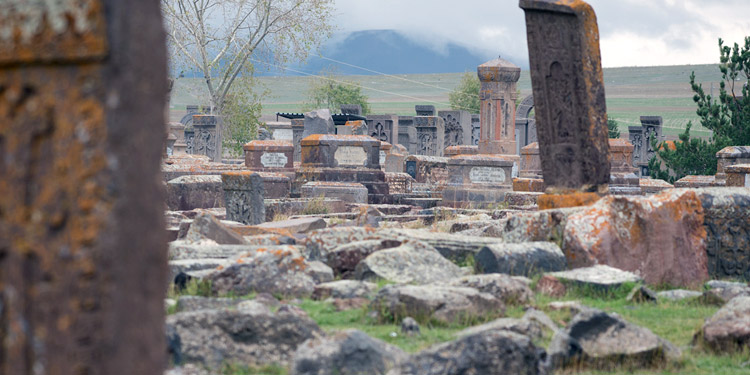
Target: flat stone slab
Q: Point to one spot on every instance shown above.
(347, 192)
(298, 225)
(598, 276)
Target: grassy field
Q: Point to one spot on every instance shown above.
(631, 93)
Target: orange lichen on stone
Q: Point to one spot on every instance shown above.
(577, 199)
(535, 185)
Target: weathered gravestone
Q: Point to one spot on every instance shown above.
(298, 128)
(457, 127)
(82, 259)
(641, 138)
(207, 137)
(318, 122)
(243, 194)
(525, 123)
(384, 128)
(425, 110)
(430, 135)
(566, 77)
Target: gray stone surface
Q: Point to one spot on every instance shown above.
(521, 326)
(299, 225)
(412, 262)
(350, 352)
(349, 192)
(345, 289)
(455, 247)
(720, 296)
(194, 191)
(180, 250)
(595, 339)
(243, 192)
(546, 225)
(410, 327)
(207, 227)
(442, 303)
(677, 294)
(345, 258)
(729, 329)
(490, 352)
(320, 242)
(722, 284)
(249, 335)
(524, 259)
(319, 271)
(727, 223)
(195, 303)
(600, 276)
(503, 287)
(318, 122)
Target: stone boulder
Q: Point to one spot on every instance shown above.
(250, 334)
(345, 258)
(205, 226)
(284, 272)
(595, 339)
(545, 226)
(195, 191)
(320, 242)
(489, 352)
(345, 289)
(455, 247)
(603, 277)
(524, 327)
(180, 250)
(410, 263)
(508, 289)
(661, 237)
(318, 122)
(349, 352)
(522, 259)
(728, 330)
(293, 226)
(677, 294)
(447, 304)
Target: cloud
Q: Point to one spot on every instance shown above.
(633, 32)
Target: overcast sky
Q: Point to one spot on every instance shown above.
(633, 32)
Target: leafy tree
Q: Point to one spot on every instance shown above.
(727, 116)
(466, 95)
(241, 116)
(330, 91)
(613, 128)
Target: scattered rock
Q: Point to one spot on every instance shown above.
(551, 286)
(443, 303)
(490, 352)
(189, 369)
(298, 225)
(179, 250)
(521, 326)
(412, 262)
(345, 258)
(320, 242)
(641, 294)
(720, 284)
(573, 307)
(728, 330)
(539, 317)
(661, 237)
(546, 225)
(195, 303)
(678, 294)
(604, 341)
(524, 259)
(509, 290)
(268, 300)
(349, 352)
(205, 226)
(455, 247)
(345, 289)
(270, 240)
(410, 327)
(319, 271)
(720, 296)
(195, 191)
(247, 336)
(597, 276)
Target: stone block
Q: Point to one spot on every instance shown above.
(270, 156)
(430, 135)
(318, 122)
(551, 201)
(340, 151)
(346, 192)
(653, 186)
(427, 170)
(384, 128)
(207, 137)
(695, 182)
(425, 110)
(243, 193)
(730, 156)
(477, 180)
(531, 164)
(461, 150)
(281, 131)
(524, 259)
(399, 183)
(738, 175)
(520, 199)
(190, 192)
(457, 127)
(535, 185)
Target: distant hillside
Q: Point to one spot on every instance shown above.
(391, 52)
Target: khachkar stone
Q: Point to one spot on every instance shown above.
(384, 128)
(430, 135)
(298, 128)
(82, 262)
(207, 137)
(425, 110)
(497, 97)
(457, 127)
(243, 195)
(566, 77)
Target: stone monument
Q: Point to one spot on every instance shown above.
(498, 96)
(384, 128)
(641, 138)
(243, 196)
(457, 127)
(82, 251)
(430, 135)
(570, 108)
(207, 137)
(270, 156)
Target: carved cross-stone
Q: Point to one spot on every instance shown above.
(566, 77)
(82, 95)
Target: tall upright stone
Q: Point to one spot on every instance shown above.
(568, 88)
(497, 96)
(82, 259)
(207, 137)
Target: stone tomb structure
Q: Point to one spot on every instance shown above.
(477, 180)
(640, 137)
(82, 254)
(430, 135)
(569, 100)
(729, 156)
(270, 156)
(343, 158)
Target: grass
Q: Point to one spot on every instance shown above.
(315, 206)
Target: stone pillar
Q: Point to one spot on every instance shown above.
(407, 134)
(82, 248)
(207, 138)
(498, 107)
(298, 129)
(568, 88)
(430, 135)
(243, 196)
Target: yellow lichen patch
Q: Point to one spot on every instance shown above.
(550, 201)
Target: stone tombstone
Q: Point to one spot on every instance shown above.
(475, 130)
(407, 133)
(568, 88)
(243, 197)
(318, 122)
(190, 109)
(298, 129)
(189, 138)
(497, 96)
(457, 127)
(280, 131)
(340, 151)
(635, 136)
(430, 133)
(384, 128)
(351, 109)
(729, 156)
(425, 110)
(82, 260)
(207, 137)
(525, 123)
(271, 156)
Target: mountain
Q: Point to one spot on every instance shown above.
(391, 52)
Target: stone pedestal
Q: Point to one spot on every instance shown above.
(343, 158)
(270, 156)
(207, 138)
(243, 196)
(730, 156)
(738, 175)
(623, 178)
(345, 191)
(461, 150)
(430, 135)
(477, 180)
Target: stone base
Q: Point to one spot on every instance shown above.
(738, 175)
(576, 199)
(372, 179)
(469, 196)
(346, 192)
(521, 198)
(624, 184)
(653, 186)
(535, 185)
(695, 182)
(477, 180)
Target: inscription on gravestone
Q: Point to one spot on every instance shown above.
(486, 175)
(273, 160)
(566, 77)
(350, 155)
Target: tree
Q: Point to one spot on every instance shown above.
(613, 128)
(221, 38)
(466, 95)
(330, 91)
(728, 117)
(241, 115)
